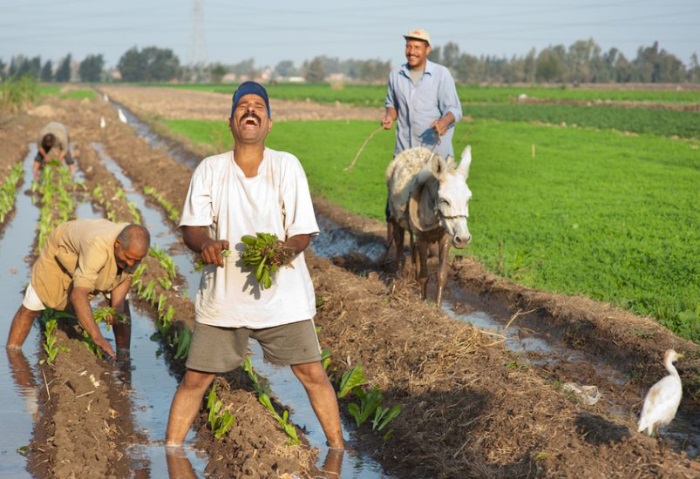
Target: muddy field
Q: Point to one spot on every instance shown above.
(472, 407)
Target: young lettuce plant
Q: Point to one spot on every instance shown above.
(369, 401)
(50, 345)
(220, 420)
(264, 398)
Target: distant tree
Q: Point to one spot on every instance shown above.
(91, 68)
(150, 64)
(435, 54)
(3, 68)
(217, 72)
(12, 68)
(374, 70)
(47, 72)
(314, 71)
(132, 65)
(34, 68)
(647, 64)
(670, 69)
(550, 65)
(163, 64)
(63, 72)
(530, 66)
(450, 55)
(579, 59)
(693, 70)
(246, 68)
(468, 69)
(22, 66)
(286, 69)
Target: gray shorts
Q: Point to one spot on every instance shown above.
(219, 350)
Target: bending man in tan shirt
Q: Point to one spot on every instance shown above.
(53, 141)
(82, 258)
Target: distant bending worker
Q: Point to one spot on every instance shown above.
(53, 143)
(422, 99)
(245, 191)
(82, 258)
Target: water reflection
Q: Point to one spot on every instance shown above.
(179, 466)
(333, 463)
(23, 377)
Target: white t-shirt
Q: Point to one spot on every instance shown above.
(276, 200)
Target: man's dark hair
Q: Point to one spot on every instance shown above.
(135, 233)
(48, 141)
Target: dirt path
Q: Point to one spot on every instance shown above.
(471, 407)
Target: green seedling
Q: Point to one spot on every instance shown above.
(50, 344)
(220, 420)
(264, 398)
(383, 416)
(350, 380)
(369, 402)
(282, 420)
(183, 343)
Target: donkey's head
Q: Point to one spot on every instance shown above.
(453, 195)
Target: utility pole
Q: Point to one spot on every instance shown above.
(198, 54)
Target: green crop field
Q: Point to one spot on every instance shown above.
(373, 95)
(588, 211)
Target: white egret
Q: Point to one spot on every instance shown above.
(663, 399)
(122, 117)
(103, 123)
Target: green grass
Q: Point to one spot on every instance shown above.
(685, 124)
(359, 95)
(78, 94)
(373, 95)
(595, 212)
(608, 216)
(18, 93)
(506, 94)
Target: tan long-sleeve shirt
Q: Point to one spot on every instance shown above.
(78, 253)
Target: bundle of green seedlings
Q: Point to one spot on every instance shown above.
(264, 253)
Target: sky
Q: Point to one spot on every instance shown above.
(230, 31)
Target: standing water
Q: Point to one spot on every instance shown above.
(147, 374)
(18, 394)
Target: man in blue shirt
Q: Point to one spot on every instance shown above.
(422, 99)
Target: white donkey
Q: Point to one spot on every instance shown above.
(429, 197)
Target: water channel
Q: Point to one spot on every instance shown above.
(18, 394)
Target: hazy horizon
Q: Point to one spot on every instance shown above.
(216, 31)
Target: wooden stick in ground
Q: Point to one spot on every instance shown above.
(352, 165)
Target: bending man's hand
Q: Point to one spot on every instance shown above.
(79, 298)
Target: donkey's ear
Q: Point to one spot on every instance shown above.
(465, 162)
(438, 165)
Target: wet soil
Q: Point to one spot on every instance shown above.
(471, 407)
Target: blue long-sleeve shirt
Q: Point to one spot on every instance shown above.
(420, 105)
